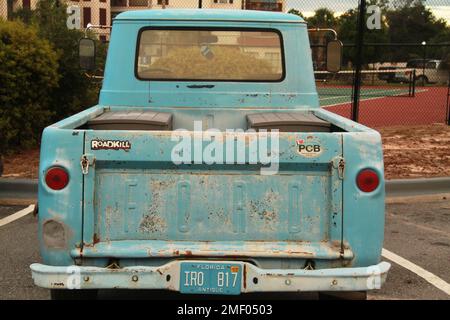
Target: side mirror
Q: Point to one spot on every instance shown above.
(87, 54)
(334, 56)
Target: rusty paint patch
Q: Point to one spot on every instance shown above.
(219, 215)
(177, 253)
(152, 223)
(56, 234)
(57, 285)
(96, 239)
(303, 253)
(265, 209)
(244, 275)
(268, 216)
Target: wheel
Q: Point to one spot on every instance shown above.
(421, 80)
(344, 295)
(65, 294)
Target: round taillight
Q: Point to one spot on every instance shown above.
(57, 178)
(367, 180)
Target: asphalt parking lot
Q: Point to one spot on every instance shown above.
(417, 230)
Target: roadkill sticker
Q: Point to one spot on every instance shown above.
(309, 149)
(110, 145)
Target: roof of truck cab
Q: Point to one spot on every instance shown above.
(209, 15)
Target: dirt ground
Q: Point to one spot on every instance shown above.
(409, 152)
(417, 151)
(22, 164)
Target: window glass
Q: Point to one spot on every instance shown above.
(220, 55)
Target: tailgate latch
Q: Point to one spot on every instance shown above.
(85, 163)
(339, 164)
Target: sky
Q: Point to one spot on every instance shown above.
(441, 8)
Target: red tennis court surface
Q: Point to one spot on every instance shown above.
(427, 107)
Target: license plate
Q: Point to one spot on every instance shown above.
(210, 278)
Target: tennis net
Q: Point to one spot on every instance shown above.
(375, 83)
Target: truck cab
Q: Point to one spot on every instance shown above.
(208, 167)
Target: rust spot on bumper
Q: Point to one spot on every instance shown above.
(244, 275)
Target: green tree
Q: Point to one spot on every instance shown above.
(23, 14)
(322, 18)
(296, 12)
(28, 75)
(75, 91)
(398, 4)
(412, 22)
(441, 52)
(348, 32)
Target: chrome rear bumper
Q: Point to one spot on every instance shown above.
(167, 277)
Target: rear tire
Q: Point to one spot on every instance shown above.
(344, 295)
(422, 81)
(65, 294)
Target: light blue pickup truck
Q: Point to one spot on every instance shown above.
(208, 167)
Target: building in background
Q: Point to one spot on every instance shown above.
(101, 12)
(264, 5)
(7, 7)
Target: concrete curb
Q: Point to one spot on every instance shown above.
(18, 191)
(22, 191)
(417, 187)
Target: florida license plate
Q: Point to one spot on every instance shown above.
(210, 278)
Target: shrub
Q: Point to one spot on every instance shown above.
(41, 81)
(28, 74)
(75, 91)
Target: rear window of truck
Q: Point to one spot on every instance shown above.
(254, 55)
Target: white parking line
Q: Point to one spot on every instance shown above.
(17, 215)
(426, 275)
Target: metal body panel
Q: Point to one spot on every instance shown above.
(208, 15)
(131, 203)
(64, 207)
(364, 213)
(297, 90)
(127, 249)
(356, 244)
(139, 194)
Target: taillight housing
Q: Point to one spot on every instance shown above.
(56, 178)
(368, 180)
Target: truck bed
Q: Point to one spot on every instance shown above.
(153, 120)
(137, 203)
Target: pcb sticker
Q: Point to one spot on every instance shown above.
(309, 149)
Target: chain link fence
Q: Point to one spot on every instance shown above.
(404, 78)
(421, 68)
(405, 60)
